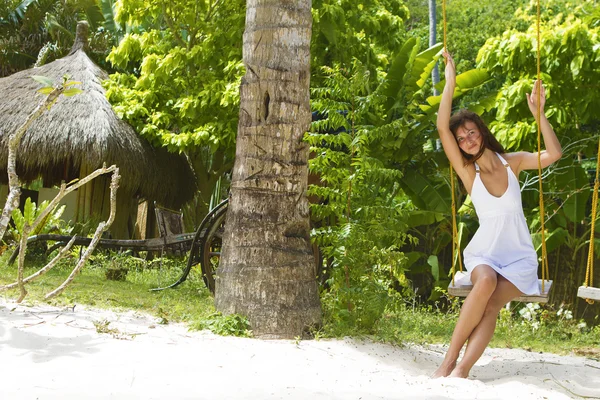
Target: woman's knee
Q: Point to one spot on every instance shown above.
(484, 278)
(504, 293)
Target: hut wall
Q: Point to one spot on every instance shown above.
(124, 225)
(3, 193)
(93, 205)
(70, 201)
(140, 223)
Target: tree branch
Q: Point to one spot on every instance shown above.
(47, 268)
(27, 228)
(14, 140)
(102, 227)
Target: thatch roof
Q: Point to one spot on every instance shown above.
(83, 130)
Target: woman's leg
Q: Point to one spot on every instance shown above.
(482, 334)
(484, 280)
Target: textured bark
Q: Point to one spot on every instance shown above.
(266, 270)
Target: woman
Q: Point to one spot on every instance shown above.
(500, 259)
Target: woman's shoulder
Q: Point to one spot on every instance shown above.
(514, 159)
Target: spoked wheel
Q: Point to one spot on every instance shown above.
(207, 237)
(210, 251)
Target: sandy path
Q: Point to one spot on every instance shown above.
(50, 353)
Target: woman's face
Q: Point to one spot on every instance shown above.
(469, 138)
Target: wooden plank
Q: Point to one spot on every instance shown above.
(154, 244)
(462, 290)
(588, 292)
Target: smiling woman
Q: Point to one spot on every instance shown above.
(473, 136)
(501, 261)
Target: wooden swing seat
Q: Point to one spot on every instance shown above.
(588, 292)
(460, 290)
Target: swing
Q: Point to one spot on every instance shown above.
(586, 291)
(455, 289)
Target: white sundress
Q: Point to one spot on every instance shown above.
(503, 240)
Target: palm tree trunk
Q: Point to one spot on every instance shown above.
(266, 270)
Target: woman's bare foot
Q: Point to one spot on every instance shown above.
(444, 370)
(459, 372)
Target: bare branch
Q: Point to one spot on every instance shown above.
(102, 227)
(46, 268)
(64, 190)
(14, 140)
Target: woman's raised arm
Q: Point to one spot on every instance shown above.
(553, 151)
(443, 123)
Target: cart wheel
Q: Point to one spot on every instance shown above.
(206, 233)
(210, 251)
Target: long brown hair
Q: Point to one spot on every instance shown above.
(488, 142)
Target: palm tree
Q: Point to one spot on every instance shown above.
(267, 269)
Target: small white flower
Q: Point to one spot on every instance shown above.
(581, 325)
(525, 314)
(568, 314)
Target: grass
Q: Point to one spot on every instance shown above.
(547, 330)
(188, 302)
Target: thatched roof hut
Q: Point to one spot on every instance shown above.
(82, 132)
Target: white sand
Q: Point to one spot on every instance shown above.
(50, 353)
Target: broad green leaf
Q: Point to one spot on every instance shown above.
(395, 76)
(46, 90)
(472, 79)
(19, 12)
(441, 240)
(43, 80)
(29, 210)
(573, 179)
(435, 268)
(554, 240)
(72, 92)
(485, 104)
(412, 257)
(94, 15)
(423, 217)
(423, 65)
(424, 193)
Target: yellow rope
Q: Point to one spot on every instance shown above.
(455, 241)
(589, 273)
(545, 269)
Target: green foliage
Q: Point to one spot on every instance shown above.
(570, 52)
(363, 220)
(178, 81)
(190, 301)
(225, 325)
(344, 31)
(529, 326)
(51, 224)
(569, 55)
(469, 24)
(40, 31)
(366, 148)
